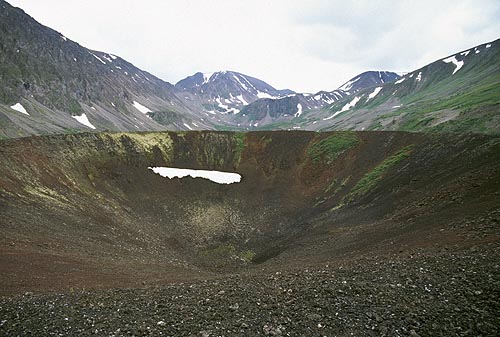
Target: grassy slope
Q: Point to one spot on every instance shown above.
(467, 101)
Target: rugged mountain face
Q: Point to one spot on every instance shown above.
(55, 79)
(368, 79)
(225, 92)
(50, 84)
(460, 92)
(285, 111)
(229, 84)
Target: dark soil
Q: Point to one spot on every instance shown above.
(95, 244)
(446, 294)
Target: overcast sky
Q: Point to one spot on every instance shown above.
(305, 46)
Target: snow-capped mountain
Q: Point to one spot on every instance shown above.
(63, 87)
(368, 79)
(460, 92)
(225, 91)
(283, 109)
(50, 84)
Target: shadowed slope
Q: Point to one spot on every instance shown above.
(85, 211)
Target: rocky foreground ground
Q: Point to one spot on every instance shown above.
(448, 293)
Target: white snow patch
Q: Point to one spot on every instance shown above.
(345, 108)
(223, 106)
(248, 82)
(107, 58)
(380, 76)
(64, 38)
(186, 125)
(241, 83)
(92, 108)
(401, 80)
(84, 120)
(97, 57)
(419, 77)
(348, 85)
(141, 107)
(194, 124)
(74, 59)
(488, 45)
(241, 99)
(374, 93)
(114, 57)
(261, 94)
(218, 177)
(477, 50)
(118, 67)
(465, 53)
(396, 106)
(19, 107)
(299, 110)
(234, 111)
(206, 77)
(350, 104)
(458, 64)
(113, 104)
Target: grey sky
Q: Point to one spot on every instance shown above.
(302, 45)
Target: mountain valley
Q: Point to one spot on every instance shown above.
(223, 206)
(63, 87)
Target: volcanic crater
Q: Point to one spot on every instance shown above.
(82, 215)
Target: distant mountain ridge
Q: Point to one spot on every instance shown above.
(458, 93)
(368, 79)
(50, 84)
(55, 79)
(225, 91)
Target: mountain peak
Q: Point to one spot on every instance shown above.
(368, 79)
(225, 91)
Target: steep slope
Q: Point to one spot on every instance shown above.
(368, 79)
(459, 93)
(285, 112)
(332, 233)
(55, 80)
(84, 210)
(50, 84)
(225, 92)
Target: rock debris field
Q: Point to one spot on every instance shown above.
(448, 294)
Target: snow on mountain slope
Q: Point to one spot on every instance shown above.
(56, 79)
(460, 92)
(368, 79)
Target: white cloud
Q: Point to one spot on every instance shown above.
(304, 45)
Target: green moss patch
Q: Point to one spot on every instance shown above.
(239, 139)
(373, 177)
(330, 148)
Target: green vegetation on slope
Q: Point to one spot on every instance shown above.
(372, 178)
(239, 138)
(330, 148)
